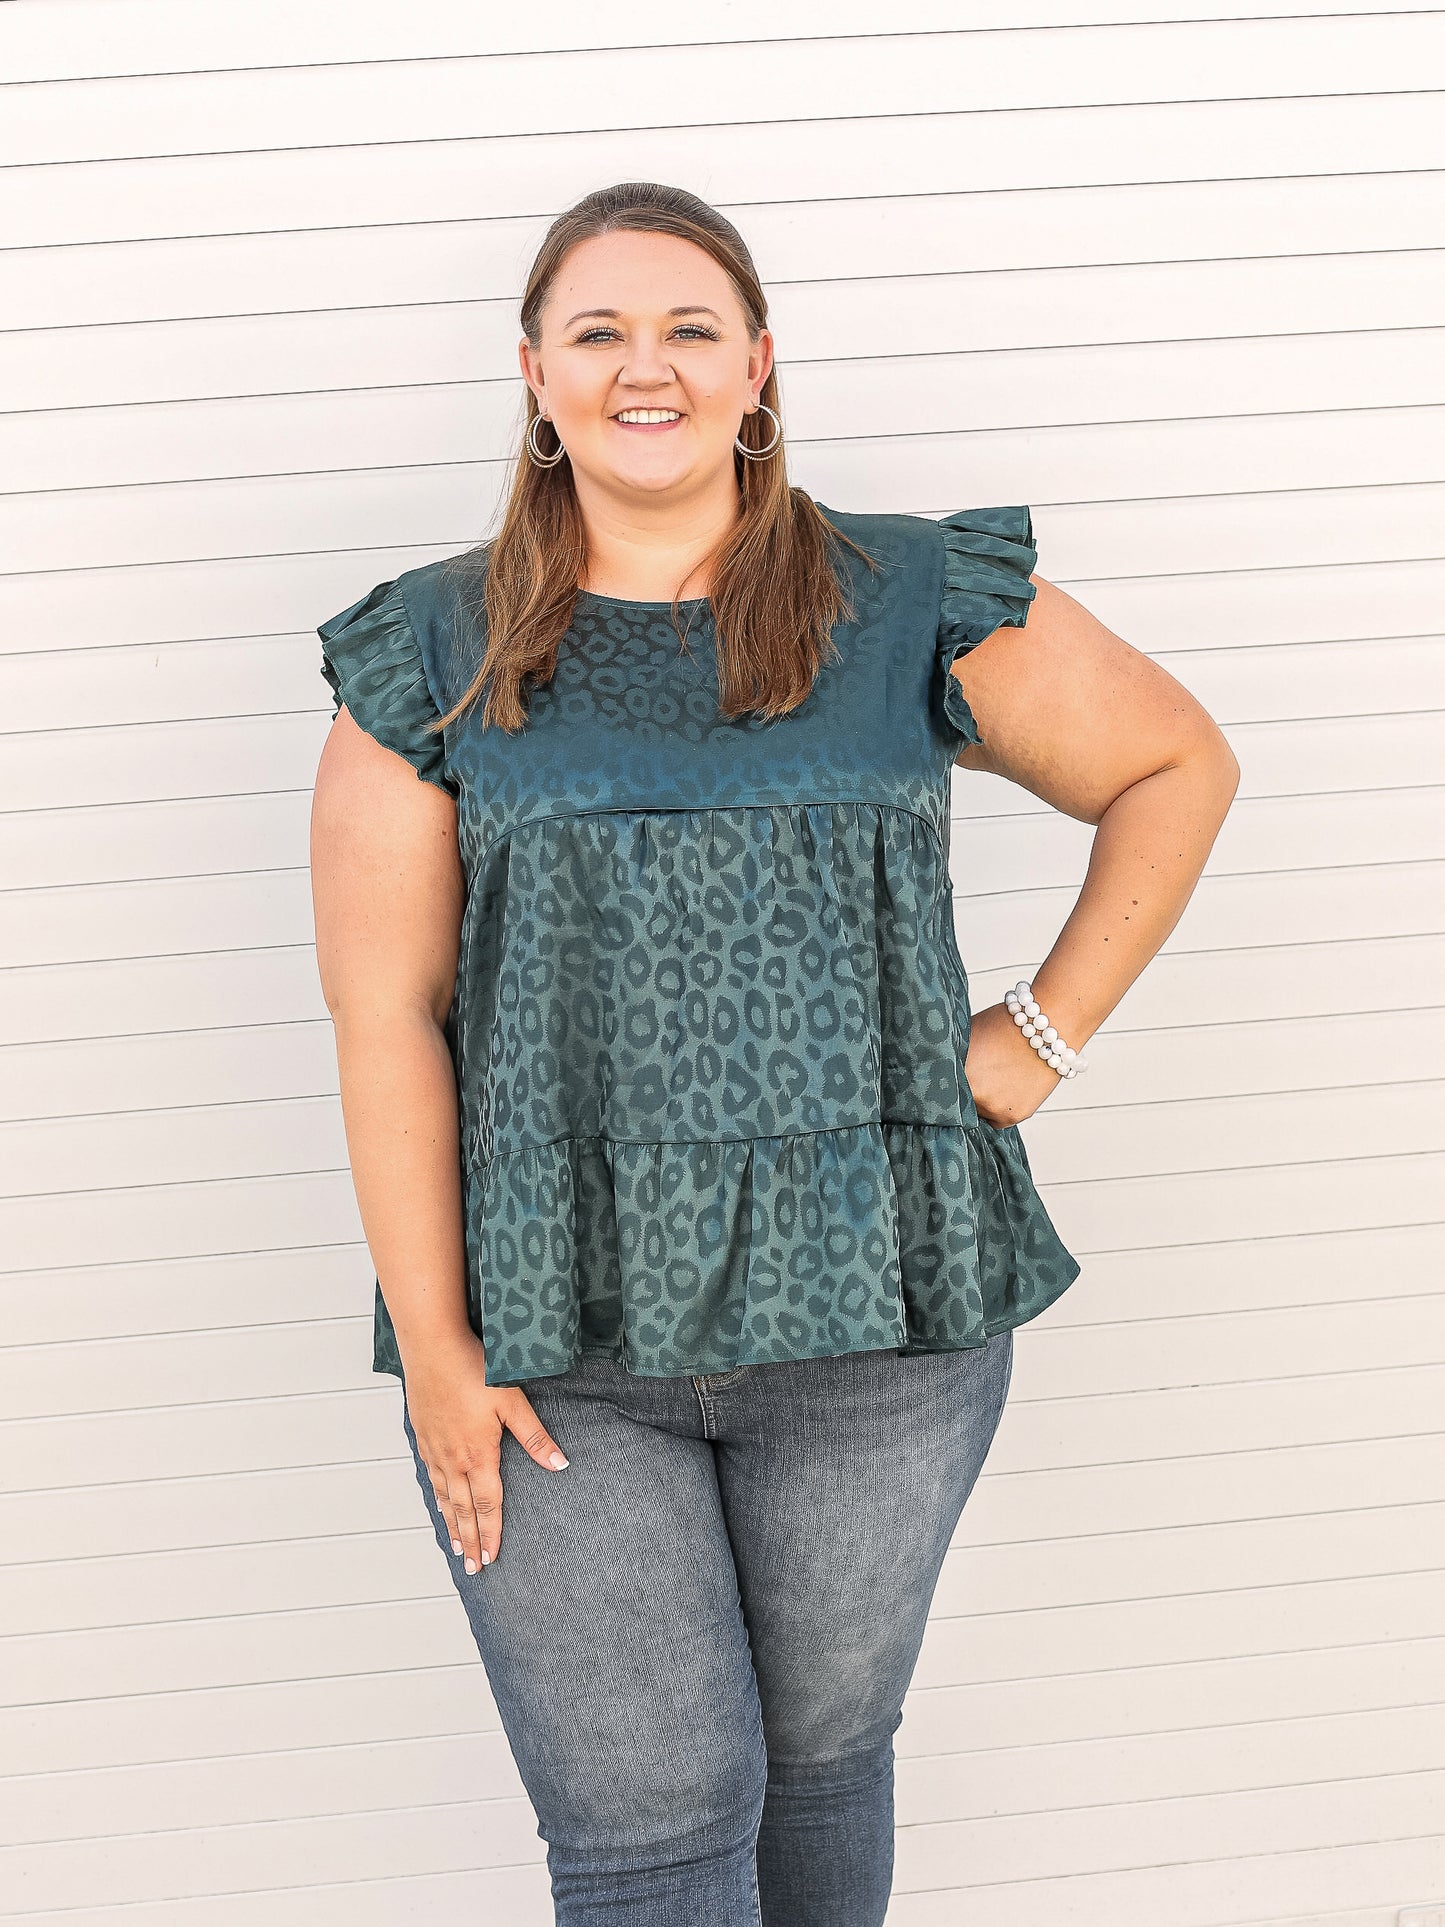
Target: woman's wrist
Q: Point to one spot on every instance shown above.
(431, 1324)
(1042, 1034)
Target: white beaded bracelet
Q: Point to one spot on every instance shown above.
(1023, 1006)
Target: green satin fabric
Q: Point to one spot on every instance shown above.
(711, 1018)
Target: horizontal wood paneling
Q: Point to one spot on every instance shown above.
(1224, 140)
(841, 76)
(84, 39)
(1173, 279)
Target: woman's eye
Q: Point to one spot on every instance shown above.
(688, 327)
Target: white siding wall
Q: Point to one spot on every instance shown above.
(1176, 283)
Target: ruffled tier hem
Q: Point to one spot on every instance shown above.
(700, 1257)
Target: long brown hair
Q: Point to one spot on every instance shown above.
(774, 591)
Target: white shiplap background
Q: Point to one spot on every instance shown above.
(1174, 280)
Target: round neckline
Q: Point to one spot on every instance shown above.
(630, 602)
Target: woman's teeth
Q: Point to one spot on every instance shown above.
(649, 415)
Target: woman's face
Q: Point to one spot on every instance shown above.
(651, 322)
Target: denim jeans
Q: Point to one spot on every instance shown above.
(699, 1635)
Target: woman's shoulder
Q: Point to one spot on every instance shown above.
(892, 536)
(958, 572)
(443, 585)
(983, 530)
(972, 546)
(446, 612)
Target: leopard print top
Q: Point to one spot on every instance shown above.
(710, 1018)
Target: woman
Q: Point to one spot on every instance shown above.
(699, 1209)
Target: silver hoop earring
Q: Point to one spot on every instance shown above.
(762, 454)
(541, 460)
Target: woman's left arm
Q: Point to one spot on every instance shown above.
(1068, 710)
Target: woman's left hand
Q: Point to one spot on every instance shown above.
(1008, 1078)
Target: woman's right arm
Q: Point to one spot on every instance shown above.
(388, 892)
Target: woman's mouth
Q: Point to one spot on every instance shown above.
(648, 420)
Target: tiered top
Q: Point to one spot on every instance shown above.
(710, 1019)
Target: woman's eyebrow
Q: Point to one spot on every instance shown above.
(615, 314)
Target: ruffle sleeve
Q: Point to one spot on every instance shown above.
(372, 662)
(988, 557)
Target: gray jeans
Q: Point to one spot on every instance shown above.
(700, 1635)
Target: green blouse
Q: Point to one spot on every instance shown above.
(710, 1017)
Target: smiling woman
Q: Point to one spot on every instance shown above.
(668, 490)
(677, 1143)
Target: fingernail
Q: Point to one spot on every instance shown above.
(457, 1547)
(470, 1566)
(486, 1557)
(558, 1461)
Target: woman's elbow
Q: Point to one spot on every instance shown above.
(1224, 765)
(1214, 766)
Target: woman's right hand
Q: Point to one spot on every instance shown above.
(458, 1420)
